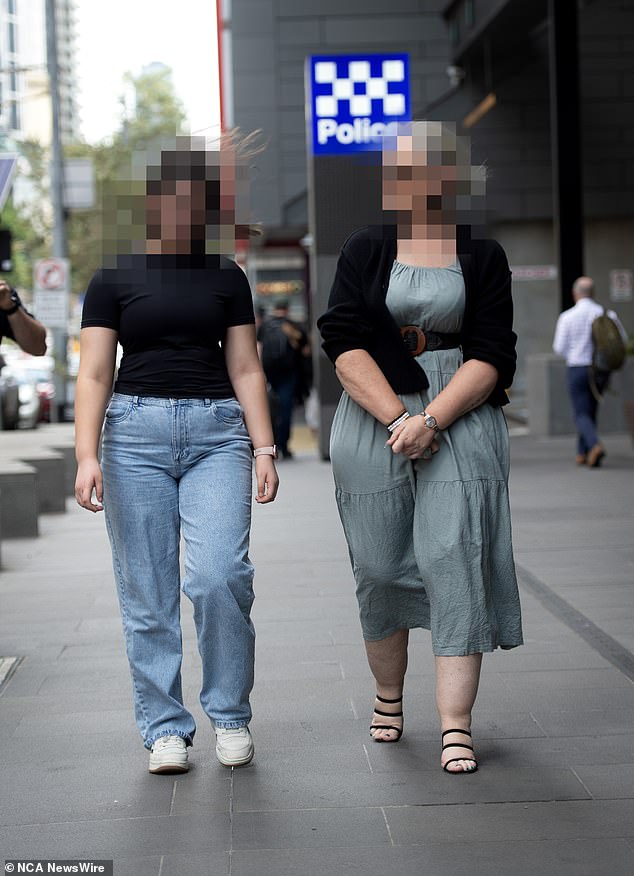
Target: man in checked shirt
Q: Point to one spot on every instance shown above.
(573, 341)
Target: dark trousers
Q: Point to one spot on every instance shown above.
(584, 405)
(284, 388)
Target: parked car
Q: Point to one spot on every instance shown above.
(46, 391)
(9, 398)
(36, 392)
(30, 405)
(37, 371)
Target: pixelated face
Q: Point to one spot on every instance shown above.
(196, 196)
(176, 212)
(415, 182)
(184, 195)
(427, 174)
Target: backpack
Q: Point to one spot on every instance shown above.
(278, 355)
(608, 352)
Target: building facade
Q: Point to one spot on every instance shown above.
(461, 53)
(11, 86)
(25, 110)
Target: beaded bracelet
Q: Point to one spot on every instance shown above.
(397, 422)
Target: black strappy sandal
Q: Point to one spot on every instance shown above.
(396, 729)
(455, 759)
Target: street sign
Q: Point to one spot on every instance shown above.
(51, 291)
(621, 285)
(353, 98)
(534, 272)
(79, 183)
(51, 274)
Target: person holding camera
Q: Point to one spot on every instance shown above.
(18, 324)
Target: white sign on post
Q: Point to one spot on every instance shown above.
(621, 285)
(51, 291)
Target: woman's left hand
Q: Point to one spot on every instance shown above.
(413, 439)
(267, 479)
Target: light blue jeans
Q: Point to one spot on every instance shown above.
(173, 466)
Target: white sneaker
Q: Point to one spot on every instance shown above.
(234, 746)
(169, 755)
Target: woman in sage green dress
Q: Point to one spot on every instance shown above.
(419, 327)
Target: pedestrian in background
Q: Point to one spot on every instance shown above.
(188, 406)
(285, 354)
(419, 327)
(573, 341)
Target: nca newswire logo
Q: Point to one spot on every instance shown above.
(352, 99)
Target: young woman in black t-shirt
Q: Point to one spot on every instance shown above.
(189, 405)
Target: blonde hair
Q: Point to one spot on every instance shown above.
(441, 144)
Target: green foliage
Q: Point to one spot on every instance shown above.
(29, 224)
(28, 246)
(156, 112)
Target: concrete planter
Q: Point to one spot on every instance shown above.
(549, 409)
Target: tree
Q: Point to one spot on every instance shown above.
(157, 111)
(27, 246)
(29, 222)
(154, 112)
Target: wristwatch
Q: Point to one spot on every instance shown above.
(17, 304)
(430, 421)
(266, 451)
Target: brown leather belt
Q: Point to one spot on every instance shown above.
(417, 341)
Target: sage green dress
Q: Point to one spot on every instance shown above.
(430, 540)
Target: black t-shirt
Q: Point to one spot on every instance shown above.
(171, 314)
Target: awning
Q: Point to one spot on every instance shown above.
(8, 166)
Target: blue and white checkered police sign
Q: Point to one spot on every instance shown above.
(353, 98)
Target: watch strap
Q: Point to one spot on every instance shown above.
(17, 303)
(266, 451)
(430, 421)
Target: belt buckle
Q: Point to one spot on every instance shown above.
(414, 339)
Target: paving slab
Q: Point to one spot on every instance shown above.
(118, 837)
(578, 858)
(308, 828)
(553, 723)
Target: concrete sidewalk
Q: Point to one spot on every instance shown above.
(554, 724)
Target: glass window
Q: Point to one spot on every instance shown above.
(11, 29)
(13, 79)
(454, 32)
(11, 7)
(469, 13)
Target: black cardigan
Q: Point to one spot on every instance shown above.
(358, 319)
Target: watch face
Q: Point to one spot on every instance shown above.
(430, 422)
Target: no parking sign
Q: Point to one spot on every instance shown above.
(51, 290)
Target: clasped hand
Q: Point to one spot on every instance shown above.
(413, 438)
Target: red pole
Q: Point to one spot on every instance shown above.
(219, 34)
